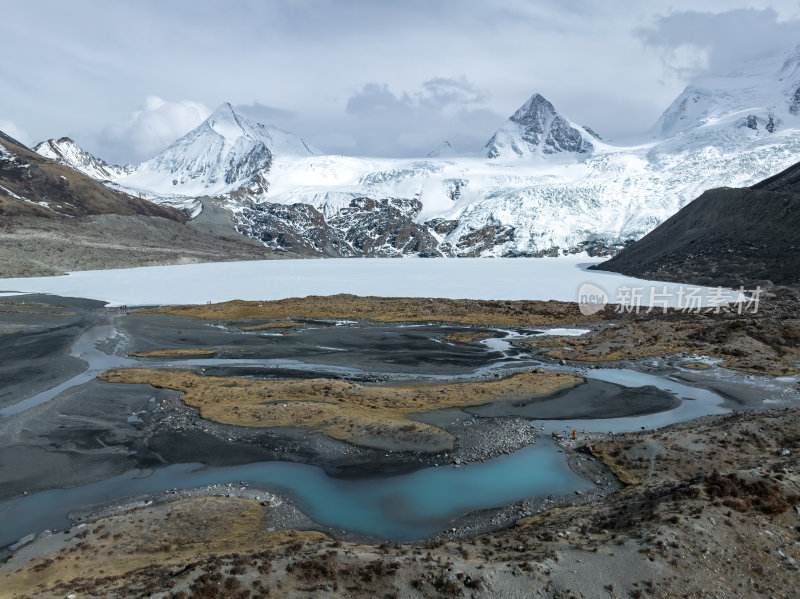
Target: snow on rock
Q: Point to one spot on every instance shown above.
(758, 99)
(224, 153)
(536, 129)
(67, 152)
(542, 186)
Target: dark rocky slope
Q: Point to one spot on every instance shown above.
(725, 237)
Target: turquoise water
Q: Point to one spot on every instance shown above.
(406, 507)
(701, 402)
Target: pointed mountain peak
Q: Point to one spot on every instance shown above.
(224, 111)
(228, 123)
(536, 105)
(537, 129)
(65, 151)
(53, 148)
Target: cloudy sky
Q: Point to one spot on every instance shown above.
(126, 78)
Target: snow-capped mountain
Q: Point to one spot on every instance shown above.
(536, 130)
(759, 98)
(542, 185)
(67, 152)
(225, 152)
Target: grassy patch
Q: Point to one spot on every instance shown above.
(163, 353)
(183, 531)
(466, 336)
(696, 366)
(270, 325)
(749, 348)
(404, 309)
(369, 415)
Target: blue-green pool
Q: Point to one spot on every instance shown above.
(406, 507)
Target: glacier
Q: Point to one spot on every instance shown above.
(541, 186)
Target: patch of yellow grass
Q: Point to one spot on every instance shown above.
(368, 415)
(162, 353)
(403, 309)
(602, 450)
(271, 325)
(655, 337)
(466, 336)
(175, 533)
(696, 366)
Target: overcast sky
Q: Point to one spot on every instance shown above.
(126, 78)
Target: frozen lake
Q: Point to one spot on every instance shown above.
(461, 278)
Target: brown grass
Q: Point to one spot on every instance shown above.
(162, 353)
(477, 312)
(189, 530)
(466, 336)
(271, 325)
(369, 415)
(730, 340)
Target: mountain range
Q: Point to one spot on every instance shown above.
(541, 185)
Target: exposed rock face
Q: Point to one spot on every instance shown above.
(537, 128)
(771, 126)
(366, 227)
(382, 228)
(794, 106)
(592, 132)
(480, 240)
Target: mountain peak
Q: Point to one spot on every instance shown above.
(65, 151)
(758, 98)
(223, 112)
(537, 104)
(228, 123)
(536, 128)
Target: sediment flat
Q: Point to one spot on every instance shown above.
(384, 393)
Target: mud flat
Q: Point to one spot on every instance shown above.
(723, 522)
(36, 335)
(229, 387)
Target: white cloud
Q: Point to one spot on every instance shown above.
(416, 121)
(296, 64)
(12, 130)
(155, 125)
(696, 43)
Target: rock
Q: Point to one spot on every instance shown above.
(562, 362)
(784, 452)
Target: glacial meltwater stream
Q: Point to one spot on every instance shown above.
(404, 507)
(411, 506)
